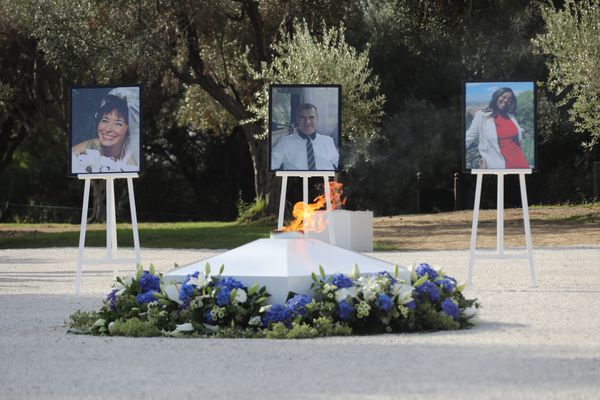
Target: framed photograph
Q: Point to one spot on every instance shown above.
(305, 127)
(499, 125)
(104, 129)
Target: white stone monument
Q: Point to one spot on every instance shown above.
(285, 265)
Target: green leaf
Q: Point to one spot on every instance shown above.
(152, 270)
(314, 277)
(139, 272)
(221, 269)
(396, 271)
(421, 280)
(413, 275)
(252, 289)
(322, 272)
(232, 295)
(355, 272)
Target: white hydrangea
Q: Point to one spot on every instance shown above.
(240, 296)
(344, 293)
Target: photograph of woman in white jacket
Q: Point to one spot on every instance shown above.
(499, 134)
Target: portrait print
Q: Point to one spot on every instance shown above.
(304, 127)
(105, 130)
(499, 125)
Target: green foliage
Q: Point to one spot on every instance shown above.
(304, 58)
(322, 326)
(82, 322)
(134, 327)
(525, 117)
(253, 211)
(572, 44)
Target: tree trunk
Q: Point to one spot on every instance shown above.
(264, 180)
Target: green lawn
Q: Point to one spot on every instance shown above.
(205, 235)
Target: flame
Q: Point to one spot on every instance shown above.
(304, 212)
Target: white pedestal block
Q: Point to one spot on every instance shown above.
(285, 265)
(353, 230)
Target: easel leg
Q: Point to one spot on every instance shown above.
(113, 210)
(525, 206)
(500, 216)
(329, 210)
(474, 229)
(304, 196)
(134, 223)
(111, 228)
(108, 219)
(84, 211)
(282, 202)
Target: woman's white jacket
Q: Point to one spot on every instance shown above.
(484, 128)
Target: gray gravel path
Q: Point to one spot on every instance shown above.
(541, 343)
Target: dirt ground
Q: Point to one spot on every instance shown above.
(550, 227)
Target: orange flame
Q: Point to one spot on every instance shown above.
(316, 222)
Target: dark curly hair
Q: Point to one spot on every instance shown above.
(110, 103)
(493, 106)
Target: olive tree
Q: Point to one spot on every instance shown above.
(572, 46)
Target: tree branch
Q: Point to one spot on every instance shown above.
(251, 7)
(202, 76)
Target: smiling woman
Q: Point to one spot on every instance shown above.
(501, 132)
(114, 146)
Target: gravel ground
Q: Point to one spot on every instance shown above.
(541, 342)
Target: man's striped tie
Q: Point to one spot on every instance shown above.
(310, 155)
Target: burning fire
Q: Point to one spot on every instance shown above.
(303, 212)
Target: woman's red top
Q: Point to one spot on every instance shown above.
(508, 140)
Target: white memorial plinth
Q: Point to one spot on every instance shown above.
(285, 265)
(353, 230)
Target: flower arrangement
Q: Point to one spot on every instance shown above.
(220, 306)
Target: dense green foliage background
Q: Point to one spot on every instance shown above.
(203, 68)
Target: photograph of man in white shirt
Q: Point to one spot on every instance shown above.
(305, 149)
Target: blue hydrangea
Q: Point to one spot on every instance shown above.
(450, 308)
(111, 298)
(411, 305)
(194, 275)
(277, 313)
(345, 310)
(223, 296)
(428, 289)
(447, 283)
(424, 268)
(297, 304)
(186, 290)
(341, 281)
(147, 297)
(230, 283)
(384, 302)
(149, 282)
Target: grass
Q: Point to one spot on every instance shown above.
(193, 235)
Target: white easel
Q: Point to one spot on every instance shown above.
(111, 223)
(305, 175)
(499, 254)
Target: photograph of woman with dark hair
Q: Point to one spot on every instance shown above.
(500, 135)
(115, 144)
